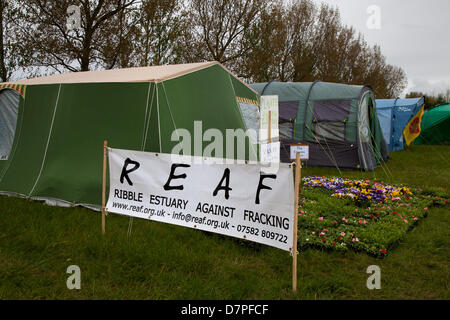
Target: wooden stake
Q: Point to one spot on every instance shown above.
(298, 176)
(105, 154)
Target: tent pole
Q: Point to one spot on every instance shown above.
(105, 154)
(298, 172)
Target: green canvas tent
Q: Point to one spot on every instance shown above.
(52, 128)
(435, 126)
(339, 123)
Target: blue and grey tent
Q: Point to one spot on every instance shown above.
(394, 115)
(337, 121)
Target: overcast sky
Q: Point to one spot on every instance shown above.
(413, 34)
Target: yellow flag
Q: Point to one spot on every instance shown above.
(412, 129)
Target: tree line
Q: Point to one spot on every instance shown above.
(258, 40)
(431, 100)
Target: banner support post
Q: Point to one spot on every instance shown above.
(298, 173)
(270, 129)
(105, 154)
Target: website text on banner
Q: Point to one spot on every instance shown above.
(237, 200)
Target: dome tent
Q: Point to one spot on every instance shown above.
(394, 116)
(61, 121)
(435, 126)
(337, 121)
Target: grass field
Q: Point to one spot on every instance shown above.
(160, 261)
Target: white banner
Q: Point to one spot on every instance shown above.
(237, 200)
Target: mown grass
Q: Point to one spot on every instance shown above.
(160, 261)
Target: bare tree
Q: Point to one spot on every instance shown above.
(160, 24)
(218, 29)
(9, 57)
(337, 53)
(266, 39)
(117, 48)
(281, 43)
(299, 56)
(260, 40)
(48, 42)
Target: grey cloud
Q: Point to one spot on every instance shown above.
(414, 35)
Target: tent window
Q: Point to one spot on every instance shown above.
(330, 130)
(363, 125)
(331, 110)
(9, 110)
(288, 110)
(287, 130)
(250, 113)
(330, 117)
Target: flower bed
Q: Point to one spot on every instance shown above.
(342, 214)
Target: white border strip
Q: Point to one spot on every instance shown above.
(145, 118)
(159, 118)
(170, 111)
(147, 124)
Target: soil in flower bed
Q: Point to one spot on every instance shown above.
(343, 214)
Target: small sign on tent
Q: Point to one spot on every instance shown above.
(270, 152)
(302, 149)
(269, 119)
